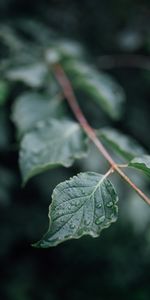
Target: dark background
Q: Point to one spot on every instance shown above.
(116, 265)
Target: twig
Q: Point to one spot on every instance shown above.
(110, 171)
(122, 165)
(71, 99)
(123, 60)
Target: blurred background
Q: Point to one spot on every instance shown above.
(117, 264)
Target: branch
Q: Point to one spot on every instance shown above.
(71, 99)
(124, 60)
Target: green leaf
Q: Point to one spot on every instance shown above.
(30, 27)
(63, 49)
(31, 107)
(32, 75)
(141, 163)
(122, 144)
(10, 38)
(4, 90)
(69, 48)
(83, 205)
(99, 86)
(50, 144)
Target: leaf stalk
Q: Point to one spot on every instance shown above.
(72, 101)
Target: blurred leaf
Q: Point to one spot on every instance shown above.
(31, 107)
(32, 75)
(141, 163)
(83, 205)
(9, 37)
(122, 144)
(30, 27)
(137, 213)
(63, 49)
(52, 143)
(99, 86)
(69, 48)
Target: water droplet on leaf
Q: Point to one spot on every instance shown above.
(100, 220)
(98, 205)
(83, 191)
(109, 204)
(72, 226)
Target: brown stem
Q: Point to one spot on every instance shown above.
(71, 99)
(124, 60)
(110, 171)
(122, 165)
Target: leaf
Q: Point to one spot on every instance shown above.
(63, 49)
(83, 205)
(141, 163)
(9, 38)
(30, 27)
(50, 144)
(31, 107)
(32, 75)
(99, 86)
(69, 48)
(122, 144)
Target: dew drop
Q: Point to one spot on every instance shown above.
(99, 220)
(83, 191)
(109, 204)
(98, 205)
(72, 226)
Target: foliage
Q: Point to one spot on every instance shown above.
(49, 137)
(83, 205)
